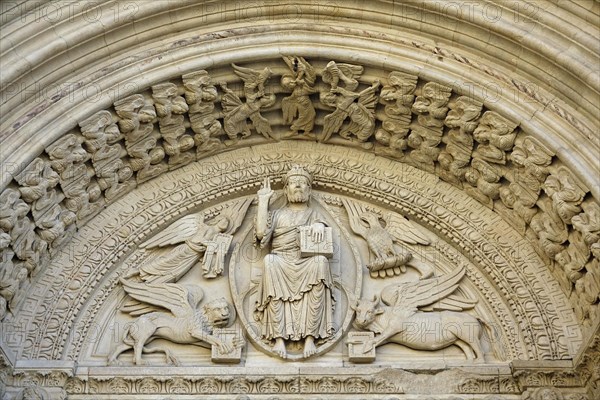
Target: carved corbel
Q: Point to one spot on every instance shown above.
(398, 97)
(462, 120)
(170, 108)
(102, 141)
(141, 141)
(201, 96)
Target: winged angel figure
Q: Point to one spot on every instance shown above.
(423, 315)
(196, 240)
(236, 112)
(390, 259)
(358, 106)
(184, 322)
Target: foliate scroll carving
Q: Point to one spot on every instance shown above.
(398, 96)
(412, 304)
(358, 107)
(141, 141)
(68, 158)
(236, 113)
(201, 95)
(386, 244)
(298, 109)
(431, 108)
(101, 141)
(455, 158)
(38, 188)
(170, 108)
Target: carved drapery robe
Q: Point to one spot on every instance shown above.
(176, 263)
(294, 297)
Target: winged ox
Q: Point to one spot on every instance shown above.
(423, 315)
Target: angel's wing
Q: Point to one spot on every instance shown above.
(172, 296)
(333, 122)
(289, 108)
(412, 295)
(248, 75)
(368, 97)
(262, 125)
(235, 214)
(404, 230)
(354, 212)
(177, 232)
(310, 74)
(230, 101)
(350, 71)
(291, 62)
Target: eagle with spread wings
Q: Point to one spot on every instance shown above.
(386, 244)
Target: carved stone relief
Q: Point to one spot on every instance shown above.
(336, 215)
(423, 124)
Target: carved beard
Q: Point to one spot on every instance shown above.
(298, 196)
